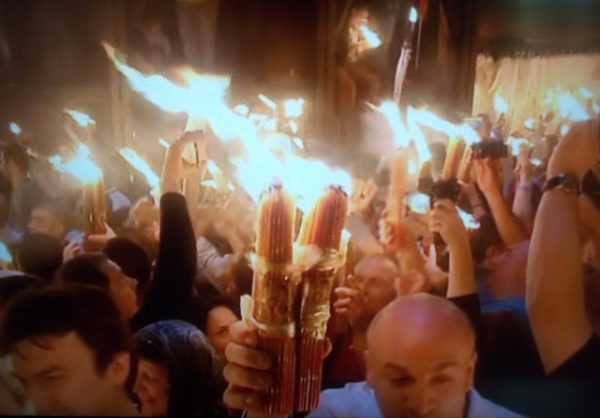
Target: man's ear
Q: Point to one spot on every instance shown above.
(119, 367)
(471, 372)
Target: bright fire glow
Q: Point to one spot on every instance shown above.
(202, 97)
(413, 15)
(500, 104)
(82, 119)
(433, 121)
(141, 165)
(294, 127)
(164, 143)
(417, 135)
(298, 142)
(15, 128)
(5, 256)
(371, 37)
(268, 102)
(569, 108)
(469, 135)
(469, 220)
(242, 109)
(536, 162)
(293, 108)
(392, 114)
(257, 166)
(564, 129)
(80, 166)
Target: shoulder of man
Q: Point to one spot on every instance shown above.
(355, 400)
(482, 408)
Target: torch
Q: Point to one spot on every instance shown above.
(274, 294)
(321, 228)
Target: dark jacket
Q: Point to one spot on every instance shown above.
(169, 295)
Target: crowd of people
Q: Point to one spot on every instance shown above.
(500, 321)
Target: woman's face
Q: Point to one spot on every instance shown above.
(152, 387)
(219, 320)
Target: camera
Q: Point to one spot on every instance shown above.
(489, 149)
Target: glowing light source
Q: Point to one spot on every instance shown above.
(516, 144)
(468, 220)
(293, 108)
(15, 128)
(82, 119)
(392, 114)
(419, 203)
(141, 165)
(164, 143)
(80, 166)
(420, 143)
(413, 15)
(500, 104)
(569, 108)
(585, 93)
(433, 121)
(530, 124)
(5, 256)
(373, 40)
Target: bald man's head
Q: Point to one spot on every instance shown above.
(421, 357)
(376, 275)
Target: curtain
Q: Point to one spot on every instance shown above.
(530, 84)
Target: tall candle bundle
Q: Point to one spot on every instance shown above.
(322, 228)
(454, 153)
(274, 294)
(398, 184)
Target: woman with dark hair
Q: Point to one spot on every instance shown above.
(176, 372)
(216, 314)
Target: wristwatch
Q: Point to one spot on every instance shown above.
(564, 181)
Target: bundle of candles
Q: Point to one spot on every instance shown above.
(291, 303)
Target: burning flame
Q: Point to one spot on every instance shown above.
(298, 142)
(371, 37)
(242, 109)
(536, 162)
(420, 143)
(15, 128)
(391, 111)
(469, 134)
(500, 104)
(164, 143)
(413, 15)
(82, 119)
(569, 108)
(433, 121)
(468, 220)
(293, 108)
(80, 166)
(5, 256)
(257, 166)
(141, 165)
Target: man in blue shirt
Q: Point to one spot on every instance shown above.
(420, 363)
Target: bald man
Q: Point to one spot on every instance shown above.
(420, 363)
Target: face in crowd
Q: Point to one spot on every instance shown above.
(421, 358)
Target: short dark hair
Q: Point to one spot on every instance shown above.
(12, 286)
(210, 301)
(40, 255)
(86, 269)
(17, 154)
(58, 310)
(132, 259)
